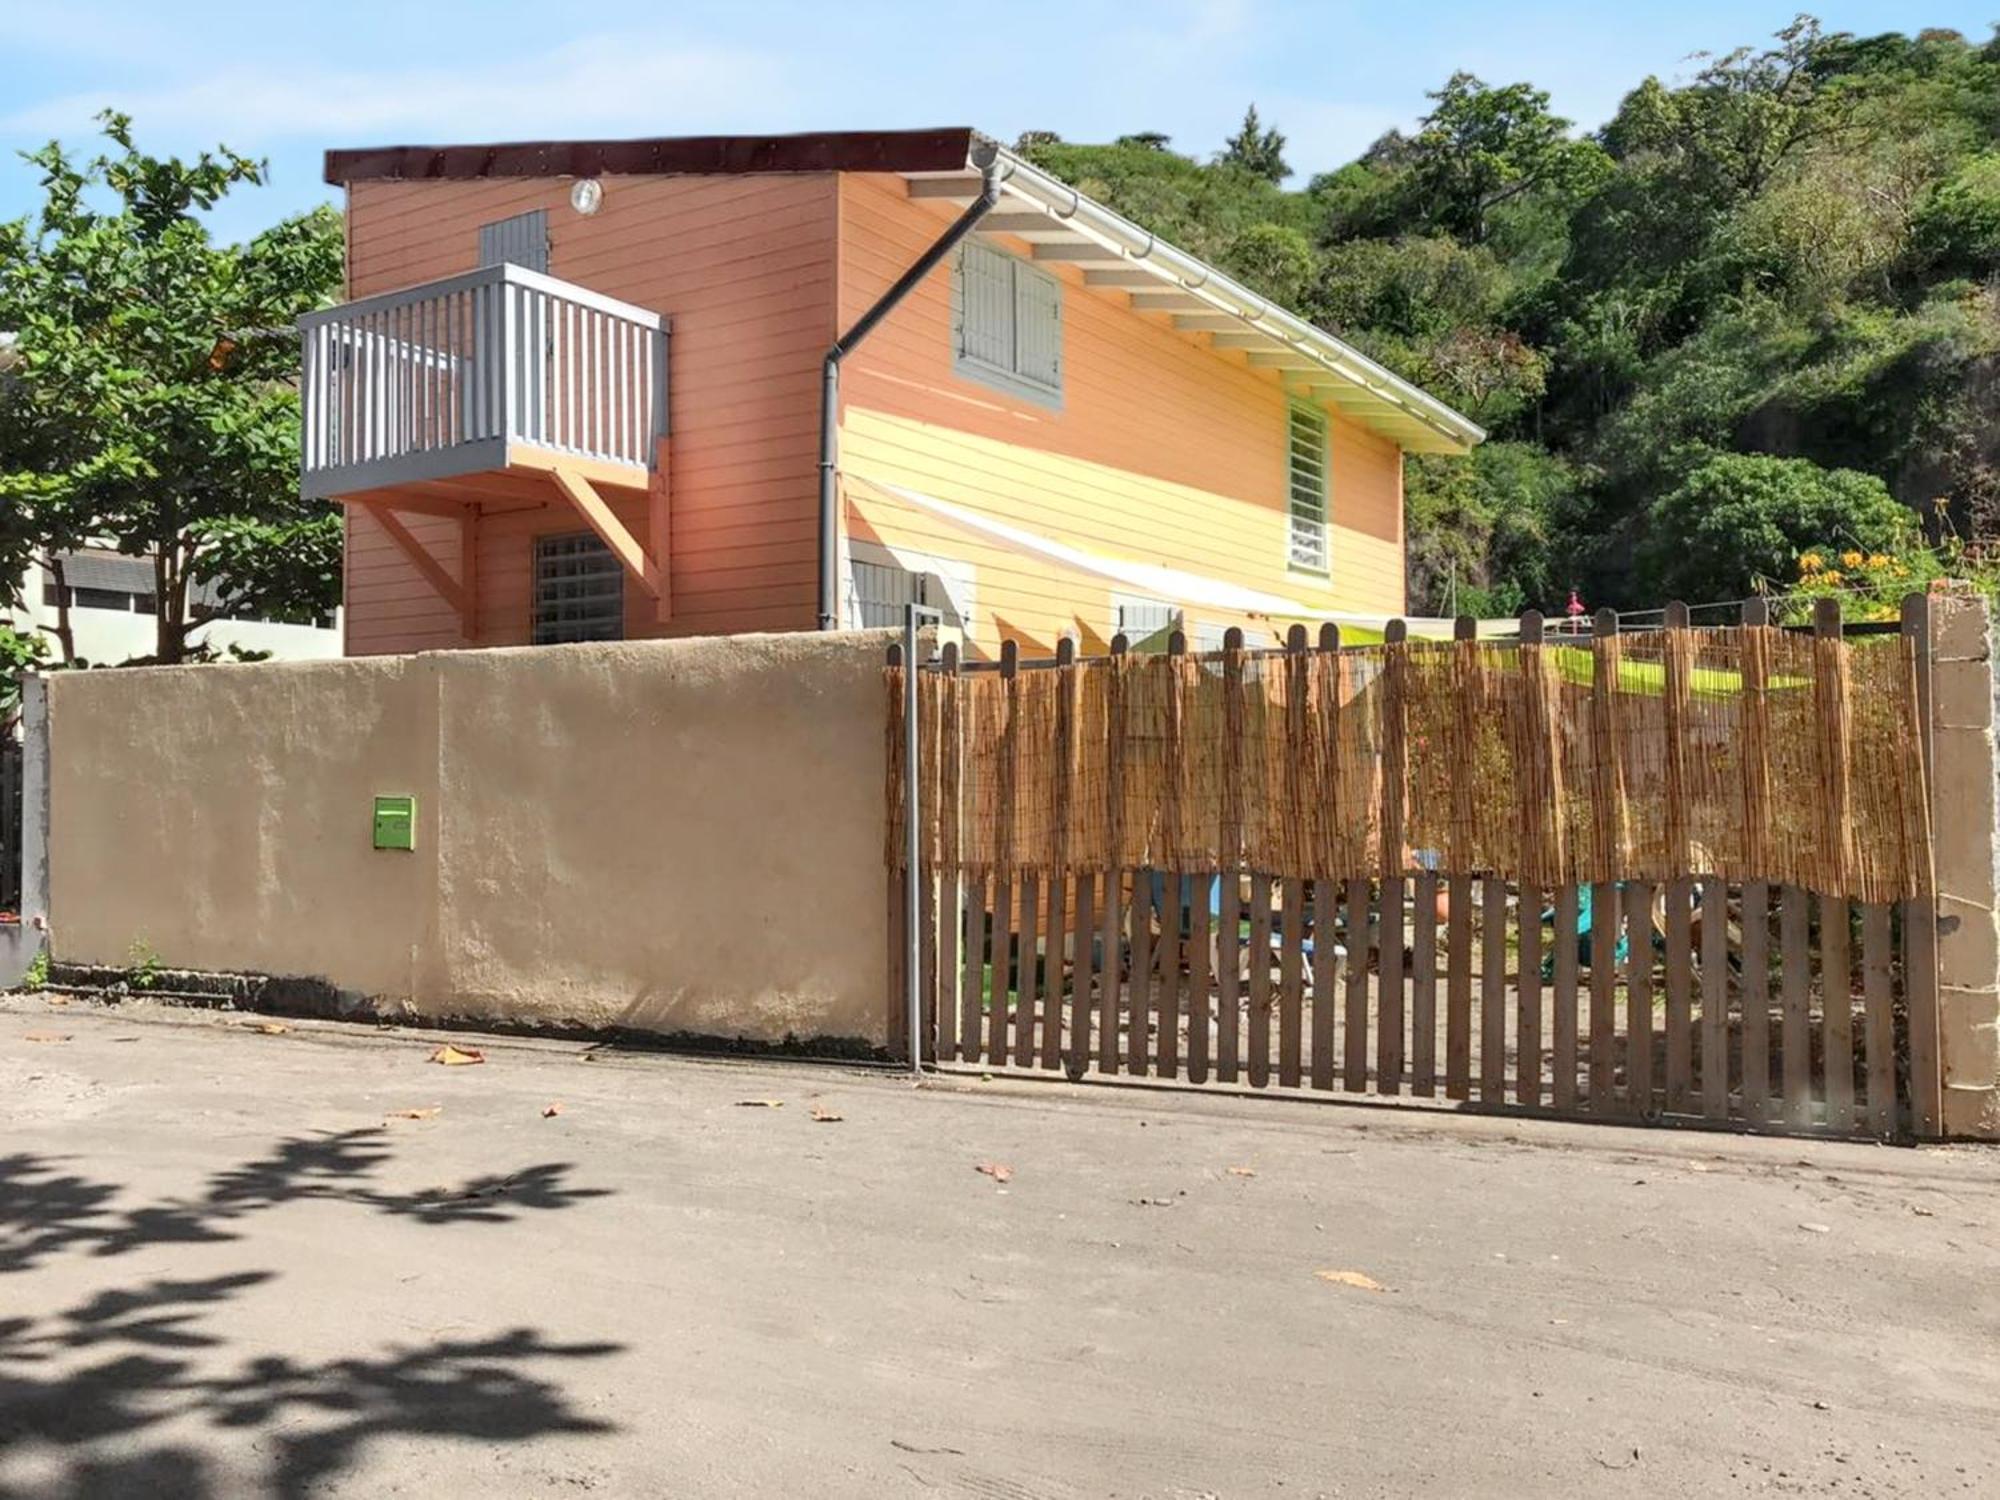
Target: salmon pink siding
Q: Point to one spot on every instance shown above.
(1161, 450)
(744, 267)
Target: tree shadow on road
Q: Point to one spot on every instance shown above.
(45, 1210)
(85, 1390)
(129, 1361)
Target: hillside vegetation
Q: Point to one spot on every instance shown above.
(1754, 316)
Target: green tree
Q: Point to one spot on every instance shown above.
(16, 533)
(1741, 521)
(19, 653)
(1791, 256)
(1955, 229)
(156, 382)
(1275, 260)
(1482, 147)
(1747, 112)
(1257, 150)
(1489, 534)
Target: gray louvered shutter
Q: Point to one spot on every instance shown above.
(986, 307)
(1038, 327)
(520, 241)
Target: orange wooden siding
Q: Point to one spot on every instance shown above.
(1162, 451)
(744, 266)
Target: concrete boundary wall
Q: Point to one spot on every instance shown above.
(679, 837)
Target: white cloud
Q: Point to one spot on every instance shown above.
(596, 84)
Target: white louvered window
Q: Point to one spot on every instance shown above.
(1146, 624)
(520, 241)
(1007, 322)
(883, 593)
(579, 590)
(1307, 468)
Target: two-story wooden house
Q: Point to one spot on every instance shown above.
(687, 386)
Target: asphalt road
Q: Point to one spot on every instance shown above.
(230, 1267)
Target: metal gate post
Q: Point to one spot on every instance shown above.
(20, 944)
(912, 834)
(1955, 1014)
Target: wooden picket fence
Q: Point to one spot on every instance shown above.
(1702, 996)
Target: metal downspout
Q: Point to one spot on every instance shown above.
(829, 403)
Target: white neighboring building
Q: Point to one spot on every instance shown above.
(112, 608)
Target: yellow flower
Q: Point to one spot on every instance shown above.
(1878, 560)
(1810, 563)
(1831, 576)
(1900, 571)
(1850, 559)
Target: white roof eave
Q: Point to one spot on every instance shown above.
(1377, 396)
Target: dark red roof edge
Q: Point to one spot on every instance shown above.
(837, 151)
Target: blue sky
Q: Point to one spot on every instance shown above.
(286, 82)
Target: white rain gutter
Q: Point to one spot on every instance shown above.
(1198, 279)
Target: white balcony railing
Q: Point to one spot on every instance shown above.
(445, 378)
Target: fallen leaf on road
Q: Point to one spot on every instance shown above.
(760, 1104)
(417, 1114)
(272, 1028)
(1923, 1213)
(457, 1057)
(46, 1036)
(1352, 1278)
(1242, 1172)
(58, 1000)
(826, 1116)
(551, 1111)
(998, 1171)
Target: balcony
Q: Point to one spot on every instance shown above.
(498, 385)
(496, 370)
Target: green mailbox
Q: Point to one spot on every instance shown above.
(395, 822)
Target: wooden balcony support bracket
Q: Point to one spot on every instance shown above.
(648, 571)
(406, 499)
(659, 528)
(460, 593)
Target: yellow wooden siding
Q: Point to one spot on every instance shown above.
(1162, 450)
